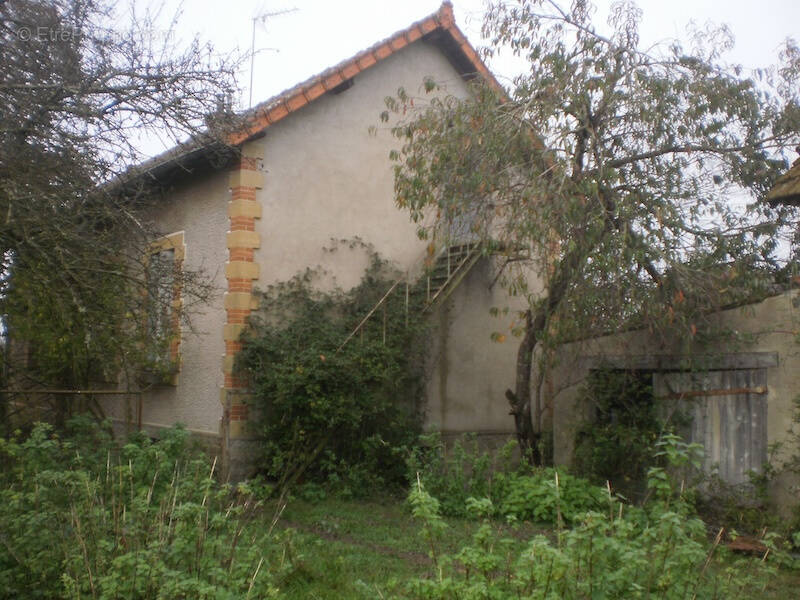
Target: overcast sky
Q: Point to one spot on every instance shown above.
(319, 33)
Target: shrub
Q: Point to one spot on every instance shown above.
(331, 414)
(81, 518)
(463, 471)
(546, 496)
(456, 473)
(615, 443)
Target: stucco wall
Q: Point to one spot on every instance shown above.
(199, 209)
(469, 372)
(770, 326)
(327, 176)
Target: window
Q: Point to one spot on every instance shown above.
(160, 291)
(163, 305)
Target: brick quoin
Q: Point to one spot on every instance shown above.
(243, 254)
(240, 285)
(239, 412)
(248, 163)
(233, 381)
(237, 315)
(232, 347)
(243, 193)
(243, 224)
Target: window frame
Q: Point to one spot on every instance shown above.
(175, 243)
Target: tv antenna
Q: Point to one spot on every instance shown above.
(262, 18)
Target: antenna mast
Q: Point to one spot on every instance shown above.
(263, 19)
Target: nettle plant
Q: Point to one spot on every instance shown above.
(613, 550)
(328, 411)
(82, 517)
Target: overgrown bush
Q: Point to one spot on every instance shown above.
(660, 550)
(615, 443)
(456, 472)
(82, 518)
(546, 496)
(327, 413)
(462, 471)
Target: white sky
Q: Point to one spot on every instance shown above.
(320, 33)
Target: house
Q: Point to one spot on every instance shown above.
(311, 170)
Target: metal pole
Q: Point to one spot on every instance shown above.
(448, 262)
(263, 18)
(252, 61)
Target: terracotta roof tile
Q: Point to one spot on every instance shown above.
(315, 91)
(291, 100)
(350, 70)
(440, 28)
(365, 62)
(383, 51)
(332, 80)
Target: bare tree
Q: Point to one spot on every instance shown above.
(80, 86)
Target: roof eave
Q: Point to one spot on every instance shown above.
(439, 27)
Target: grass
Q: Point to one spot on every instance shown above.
(361, 549)
(356, 549)
(367, 548)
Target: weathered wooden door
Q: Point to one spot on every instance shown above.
(728, 412)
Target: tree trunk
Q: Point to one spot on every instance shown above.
(520, 399)
(563, 272)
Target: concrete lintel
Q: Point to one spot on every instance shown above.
(247, 178)
(244, 208)
(238, 300)
(253, 149)
(240, 430)
(232, 331)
